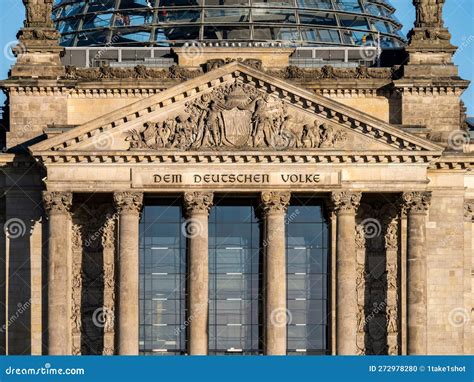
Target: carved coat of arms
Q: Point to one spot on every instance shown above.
(235, 116)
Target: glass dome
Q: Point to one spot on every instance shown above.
(175, 22)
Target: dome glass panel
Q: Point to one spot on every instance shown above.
(176, 22)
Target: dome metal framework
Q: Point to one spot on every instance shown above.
(176, 22)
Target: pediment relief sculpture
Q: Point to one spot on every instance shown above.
(236, 116)
(235, 109)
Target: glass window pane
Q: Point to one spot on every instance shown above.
(329, 36)
(276, 33)
(320, 4)
(306, 337)
(306, 260)
(307, 277)
(226, 15)
(276, 16)
(349, 5)
(165, 4)
(234, 264)
(233, 260)
(91, 38)
(178, 33)
(187, 16)
(227, 2)
(96, 21)
(135, 4)
(102, 5)
(317, 18)
(306, 312)
(351, 21)
(236, 32)
(162, 279)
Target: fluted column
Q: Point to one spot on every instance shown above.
(416, 205)
(57, 206)
(197, 206)
(274, 206)
(345, 204)
(128, 206)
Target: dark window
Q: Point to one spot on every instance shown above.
(307, 277)
(162, 280)
(234, 275)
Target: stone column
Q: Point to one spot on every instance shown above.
(197, 206)
(128, 206)
(345, 204)
(274, 206)
(416, 205)
(57, 205)
(468, 279)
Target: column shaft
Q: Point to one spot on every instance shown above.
(417, 204)
(128, 205)
(197, 205)
(274, 205)
(57, 204)
(345, 205)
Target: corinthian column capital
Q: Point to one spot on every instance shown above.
(416, 201)
(128, 201)
(273, 201)
(345, 201)
(57, 201)
(196, 202)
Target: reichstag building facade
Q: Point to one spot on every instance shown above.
(203, 177)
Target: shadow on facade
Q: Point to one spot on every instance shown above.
(378, 248)
(93, 275)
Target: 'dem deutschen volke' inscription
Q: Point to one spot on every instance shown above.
(246, 179)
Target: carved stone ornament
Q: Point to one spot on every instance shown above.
(274, 202)
(236, 116)
(377, 283)
(416, 202)
(39, 34)
(429, 25)
(39, 13)
(391, 235)
(137, 72)
(345, 201)
(176, 72)
(468, 210)
(196, 202)
(55, 201)
(128, 202)
(360, 236)
(76, 290)
(392, 320)
(429, 13)
(218, 62)
(328, 72)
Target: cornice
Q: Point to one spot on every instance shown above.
(288, 157)
(97, 91)
(16, 160)
(463, 162)
(137, 89)
(428, 86)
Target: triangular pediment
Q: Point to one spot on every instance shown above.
(235, 108)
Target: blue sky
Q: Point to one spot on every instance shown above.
(458, 15)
